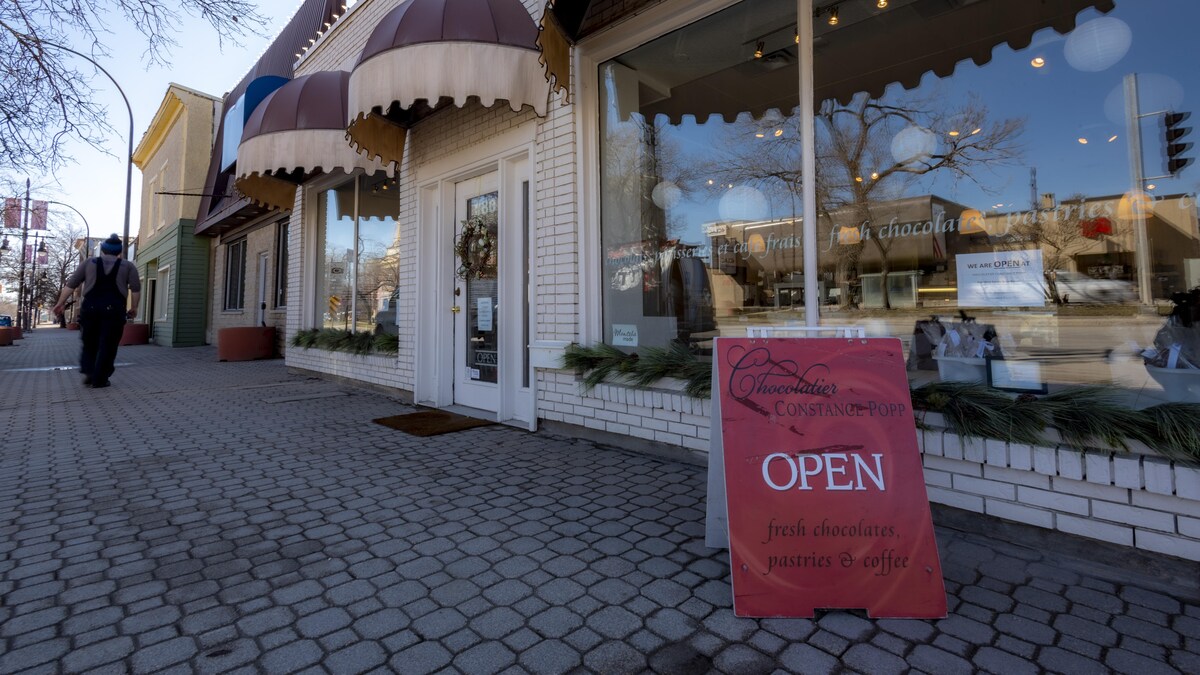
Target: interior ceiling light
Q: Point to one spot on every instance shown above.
(1151, 186)
(778, 133)
(953, 134)
(1114, 137)
(858, 179)
(874, 175)
(977, 130)
(758, 50)
(833, 16)
(710, 181)
(796, 37)
(1037, 62)
(882, 4)
(759, 135)
(1083, 141)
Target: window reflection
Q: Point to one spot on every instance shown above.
(1002, 188)
(358, 254)
(971, 161)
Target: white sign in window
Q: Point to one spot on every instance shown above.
(484, 314)
(1001, 279)
(624, 335)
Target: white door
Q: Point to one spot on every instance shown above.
(262, 289)
(476, 305)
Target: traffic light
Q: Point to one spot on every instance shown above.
(1172, 134)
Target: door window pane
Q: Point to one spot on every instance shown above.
(483, 307)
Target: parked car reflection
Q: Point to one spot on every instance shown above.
(1076, 287)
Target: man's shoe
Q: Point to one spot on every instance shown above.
(87, 380)
(100, 384)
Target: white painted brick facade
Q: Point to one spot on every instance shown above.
(1134, 500)
(1131, 500)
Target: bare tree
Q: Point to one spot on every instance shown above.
(47, 99)
(45, 280)
(857, 165)
(1060, 234)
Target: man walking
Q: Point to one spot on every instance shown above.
(107, 281)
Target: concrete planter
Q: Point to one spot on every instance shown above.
(246, 343)
(135, 334)
(961, 369)
(1181, 385)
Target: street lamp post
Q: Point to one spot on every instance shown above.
(31, 309)
(129, 154)
(87, 241)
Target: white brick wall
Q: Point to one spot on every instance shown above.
(380, 369)
(1127, 499)
(1134, 500)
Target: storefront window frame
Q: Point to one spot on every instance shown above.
(654, 23)
(314, 306)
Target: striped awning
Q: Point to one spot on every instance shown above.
(431, 51)
(299, 130)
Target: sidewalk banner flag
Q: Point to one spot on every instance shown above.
(824, 494)
(12, 213)
(40, 212)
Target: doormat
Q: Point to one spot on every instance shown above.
(431, 422)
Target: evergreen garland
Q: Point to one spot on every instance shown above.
(1084, 416)
(336, 340)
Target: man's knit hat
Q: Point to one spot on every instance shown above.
(111, 246)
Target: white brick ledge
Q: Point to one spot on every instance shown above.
(1138, 500)
(380, 369)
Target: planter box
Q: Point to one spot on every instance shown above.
(135, 334)
(16, 332)
(245, 343)
(6, 336)
(1182, 385)
(961, 369)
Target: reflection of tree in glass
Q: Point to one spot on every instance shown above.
(378, 274)
(857, 164)
(1059, 234)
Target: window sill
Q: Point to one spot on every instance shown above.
(233, 312)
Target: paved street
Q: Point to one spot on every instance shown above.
(200, 516)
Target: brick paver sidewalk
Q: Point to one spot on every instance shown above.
(207, 517)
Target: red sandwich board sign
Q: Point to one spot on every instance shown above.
(825, 493)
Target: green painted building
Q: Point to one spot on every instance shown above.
(173, 263)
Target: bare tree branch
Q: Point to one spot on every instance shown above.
(47, 100)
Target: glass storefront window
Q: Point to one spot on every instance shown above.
(357, 254)
(997, 183)
(973, 164)
(700, 185)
